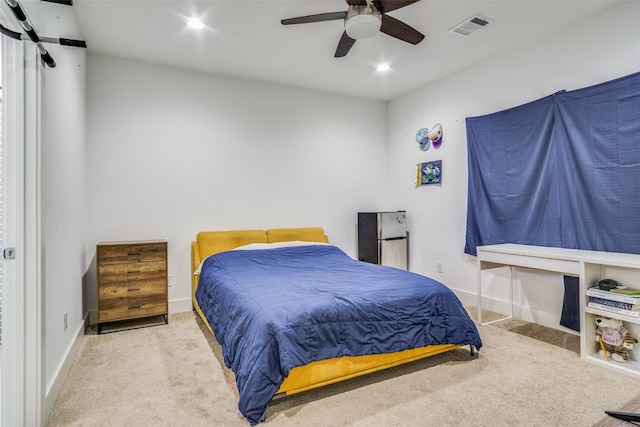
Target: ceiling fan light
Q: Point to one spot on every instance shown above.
(362, 26)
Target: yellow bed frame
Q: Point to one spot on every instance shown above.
(322, 372)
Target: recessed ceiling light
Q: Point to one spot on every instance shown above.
(195, 23)
(383, 67)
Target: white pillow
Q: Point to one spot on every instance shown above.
(261, 246)
(254, 246)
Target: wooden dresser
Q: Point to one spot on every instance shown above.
(132, 280)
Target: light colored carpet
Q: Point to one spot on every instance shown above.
(172, 375)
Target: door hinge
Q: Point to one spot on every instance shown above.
(9, 253)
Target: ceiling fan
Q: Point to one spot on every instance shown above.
(364, 18)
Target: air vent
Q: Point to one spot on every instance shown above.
(470, 25)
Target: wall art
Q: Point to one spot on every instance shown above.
(429, 173)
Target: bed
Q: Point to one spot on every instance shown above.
(293, 312)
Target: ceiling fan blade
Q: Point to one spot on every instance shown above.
(344, 45)
(331, 16)
(385, 6)
(400, 30)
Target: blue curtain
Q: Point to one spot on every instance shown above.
(513, 192)
(562, 171)
(597, 133)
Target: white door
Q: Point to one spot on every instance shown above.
(21, 361)
(2, 221)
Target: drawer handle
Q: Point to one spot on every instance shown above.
(137, 307)
(133, 271)
(133, 289)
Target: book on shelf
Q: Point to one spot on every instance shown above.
(613, 296)
(618, 304)
(616, 310)
(627, 291)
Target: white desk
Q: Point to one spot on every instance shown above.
(557, 260)
(589, 267)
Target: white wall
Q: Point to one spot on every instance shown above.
(601, 49)
(172, 152)
(63, 139)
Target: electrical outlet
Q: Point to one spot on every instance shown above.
(440, 266)
(170, 277)
(65, 321)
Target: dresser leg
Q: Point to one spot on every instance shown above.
(99, 328)
(166, 319)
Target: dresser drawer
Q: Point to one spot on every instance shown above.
(133, 289)
(117, 254)
(130, 308)
(109, 273)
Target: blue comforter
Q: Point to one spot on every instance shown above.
(272, 310)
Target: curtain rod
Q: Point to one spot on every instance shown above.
(33, 36)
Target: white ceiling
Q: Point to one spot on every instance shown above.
(245, 38)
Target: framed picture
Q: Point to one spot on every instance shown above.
(429, 173)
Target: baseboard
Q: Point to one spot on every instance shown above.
(180, 305)
(526, 313)
(53, 390)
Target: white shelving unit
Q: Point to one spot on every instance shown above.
(590, 267)
(625, 268)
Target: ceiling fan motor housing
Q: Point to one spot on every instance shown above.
(363, 21)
